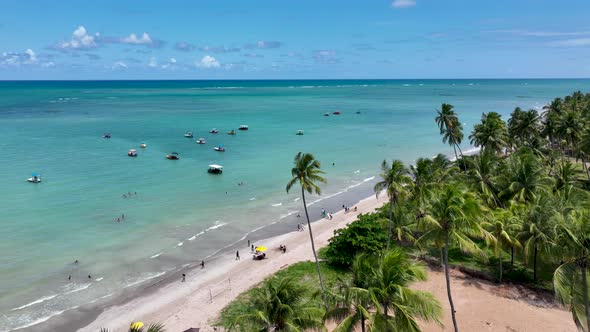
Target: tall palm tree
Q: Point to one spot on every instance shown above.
(491, 133)
(452, 218)
(482, 174)
(388, 277)
(570, 128)
(537, 230)
(450, 127)
(524, 126)
(570, 278)
(352, 303)
(279, 305)
(524, 178)
(502, 226)
(394, 180)
(307, 174)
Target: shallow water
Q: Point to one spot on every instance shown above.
(181, 213)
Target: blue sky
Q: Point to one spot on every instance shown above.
(223, 39)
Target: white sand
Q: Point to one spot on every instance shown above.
(183, 305)
(197, 302)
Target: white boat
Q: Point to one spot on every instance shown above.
(132, 153)
(201, 141)
(215, 169)
(173, 156)
(35, 178)
(243, 127)
(299, 132)
(188, 134)
(219, 148)
(213, 131)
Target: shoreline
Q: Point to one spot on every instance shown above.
(196, 302)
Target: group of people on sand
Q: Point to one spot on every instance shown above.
(347, 209)
(326, 215)
(283, 248)
(121, 218)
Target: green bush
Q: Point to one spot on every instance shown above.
(367, 234)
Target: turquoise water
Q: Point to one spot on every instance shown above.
(182, 214)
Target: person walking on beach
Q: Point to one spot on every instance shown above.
(202, 264)
(248, 243)
(252, 250)
(183, 277)
(323, 213)
(69, 278)
(238, 255)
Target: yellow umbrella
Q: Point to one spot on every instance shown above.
(261, 248)
(136, 325)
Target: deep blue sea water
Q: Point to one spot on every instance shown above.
(181, 213)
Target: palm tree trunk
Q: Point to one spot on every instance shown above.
(363, 323)
(535, 262)
(585, 289)
(460, 151)
(390, 220)
(455, 151)
(313, 249)
(442, 258)
(500, 265)
(448, 278)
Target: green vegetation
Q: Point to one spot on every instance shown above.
(517, 211)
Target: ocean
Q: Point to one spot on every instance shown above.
(175, 213)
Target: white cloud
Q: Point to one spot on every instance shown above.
(28, 57)
(80, 40)
(153, 62)
(132, 39)
(119, 65)
(572, 42)
(172, 60)
(403, 3)
(48, 64)
(208, 62)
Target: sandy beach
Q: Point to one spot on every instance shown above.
(197, 302)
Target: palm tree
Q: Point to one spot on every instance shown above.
(491, 134)
(394, 179)
(524, 178)
(570, 128)
(279, 305)
(387, 278)
(352, 303)
(501, 227)
(524, 126)
(570, 279)
(450, 127)
(537, 229)
(482, 174)
(307, 173)
(452, 218)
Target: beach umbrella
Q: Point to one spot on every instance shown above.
(136, 325)
(261, 248)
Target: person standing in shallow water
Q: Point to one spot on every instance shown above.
(202, 264)
(238, 255)
(183, 277)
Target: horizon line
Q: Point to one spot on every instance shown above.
(288, 79)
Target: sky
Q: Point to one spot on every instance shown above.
(293, 39)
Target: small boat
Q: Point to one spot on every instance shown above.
(231, 132)
(326, 114)
(201, 141)
(173, 156)
(143, 145)
(243, 127)
(132, 153)
(336, 113)
(358, 112)
(219, 148)
(215, 169)
(106, 135)
(188, 134)
(213, 131)
(299, 132)
(35, 178)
